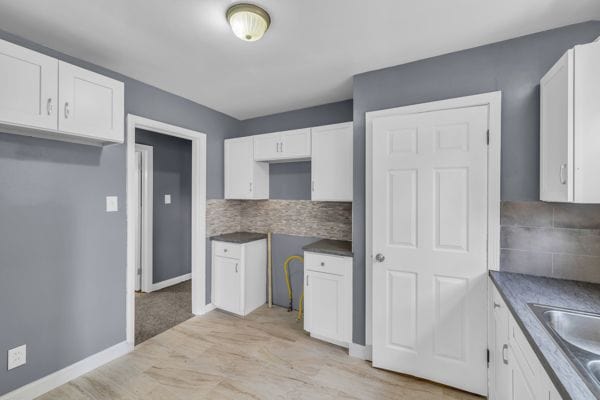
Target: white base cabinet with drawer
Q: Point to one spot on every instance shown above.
(239, 276)
(515, 371)
(51, 99)
(328, 297)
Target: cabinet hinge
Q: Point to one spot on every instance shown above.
(488, 357)
(488, 137)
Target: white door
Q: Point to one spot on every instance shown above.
(295, 144)
(29, 87)
(267, 147)
(228, 284)
(138, 236)
(239, 165)
(331, 164)
(430, 234)
(91, 104)
(324, 297)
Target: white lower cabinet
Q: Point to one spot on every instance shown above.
(239, 277)
(328, 297)
(515, 371)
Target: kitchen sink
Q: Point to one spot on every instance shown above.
(578, 335)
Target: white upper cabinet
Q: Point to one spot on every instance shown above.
(91, 105)
(569, 126)
(283, 146)
(244, 177)
(332, 163)
(29, 87)
(44, 97)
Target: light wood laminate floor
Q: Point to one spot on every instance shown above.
(266, 355)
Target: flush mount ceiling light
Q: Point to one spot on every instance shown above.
(248, 22)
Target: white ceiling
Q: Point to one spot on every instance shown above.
(307, 57)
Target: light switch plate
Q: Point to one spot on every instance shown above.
(17, 357)
(167, 199)
(112, 204)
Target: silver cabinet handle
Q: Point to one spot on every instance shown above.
(504, 358)
(380, 257)
(250, 186)
(49, 107)
(307, 276)
(67, 110)
(563, 178)
(236, 268)
(277, 147)
(282, 147)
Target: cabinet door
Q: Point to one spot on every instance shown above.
(502, 372)
(91, 105)
(267, 147)
(29, 82)
(324, 299)
(520, 388)
(295, 144)
(331, 166)
(228, 284)
(238, 168)
(556, 132)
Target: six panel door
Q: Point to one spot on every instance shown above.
(29, 82)
(91, 105)
(430, 229)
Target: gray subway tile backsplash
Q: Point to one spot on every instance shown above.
(551, 239)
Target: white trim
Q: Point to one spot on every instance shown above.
(198, 212)
(361, 352)
(171, 282)
(494, 101)
(147, 214)
(206, 309)
(58, 378)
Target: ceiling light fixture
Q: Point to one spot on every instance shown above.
(248, 22)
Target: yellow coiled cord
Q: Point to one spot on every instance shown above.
(289, 285)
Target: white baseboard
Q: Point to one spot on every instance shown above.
(360, 351)
(171, 282)
(206, 309)
(58, 378)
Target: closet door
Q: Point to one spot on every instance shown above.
(29, 87)
(91, 105)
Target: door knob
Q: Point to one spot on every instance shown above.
(379, 257)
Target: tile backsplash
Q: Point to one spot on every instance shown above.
(551, 239)
(328, 220)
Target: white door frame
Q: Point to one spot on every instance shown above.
(198, 140)
(146, 241)
(494, 102)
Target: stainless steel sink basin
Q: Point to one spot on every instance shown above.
(578, 335)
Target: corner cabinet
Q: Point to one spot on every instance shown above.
(245, 179)
(239, 276)
(328, 297)
(569, 126)
(515, 371)
(331, 169)
(47, 98)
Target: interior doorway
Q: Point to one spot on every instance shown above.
(144, 178)
(155, 284)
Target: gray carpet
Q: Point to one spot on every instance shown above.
(155, 312)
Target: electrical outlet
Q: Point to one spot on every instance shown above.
(17, 357)
(112, 204)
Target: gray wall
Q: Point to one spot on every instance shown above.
(172, 223)
(291, 181)
(62, 258)
(514, 66)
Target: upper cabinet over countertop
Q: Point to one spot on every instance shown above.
(44, 97)
(570, 127)
(329, 148)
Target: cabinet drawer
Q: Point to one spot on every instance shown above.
(225, 249)
(328, 264)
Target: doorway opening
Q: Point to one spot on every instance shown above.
(166, 207)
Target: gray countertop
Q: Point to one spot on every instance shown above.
(518, 290)
(239, 237)
(328, 246)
